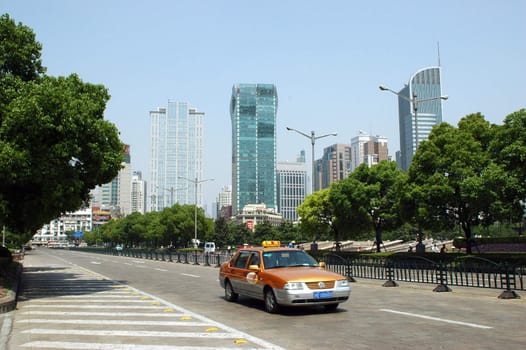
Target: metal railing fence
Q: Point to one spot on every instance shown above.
(467, 272)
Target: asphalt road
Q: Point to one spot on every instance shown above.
(90, 301)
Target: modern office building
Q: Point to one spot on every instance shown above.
(253, 109)
(138, 193)
(176, 156)
(368, 149)
(224, 199)
(116, 194)
(424, 84)
(292, 187)
(334, 165)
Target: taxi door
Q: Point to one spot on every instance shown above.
(239, 271)
(254, 289)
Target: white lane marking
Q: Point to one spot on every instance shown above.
(96, 346)
(96, 262)
(123, 333)
(460, 323)
(162, 270)
(190, 275)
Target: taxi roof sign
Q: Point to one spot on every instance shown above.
(267, 244)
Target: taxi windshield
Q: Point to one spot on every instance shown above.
(287, 258)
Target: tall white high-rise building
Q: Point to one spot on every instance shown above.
(138, 193)
(176, 155)
(224, 198)
(292, 187)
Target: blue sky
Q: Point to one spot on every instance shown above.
(327, 59)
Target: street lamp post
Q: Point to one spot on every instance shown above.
(171, 190)
(195, 182)
(313, 139)
(414, 101)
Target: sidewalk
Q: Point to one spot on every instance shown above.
(7, 307)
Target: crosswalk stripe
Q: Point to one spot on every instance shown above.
(75, 306)
(110, 314)
(115, 322)
(122, 333)
(101, 346)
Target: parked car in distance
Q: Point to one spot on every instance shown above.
(282, 276)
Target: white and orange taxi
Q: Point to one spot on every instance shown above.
(282, 277)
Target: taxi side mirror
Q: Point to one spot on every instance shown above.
(253, 267)
(322, 265)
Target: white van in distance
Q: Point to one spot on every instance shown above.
(210, 247)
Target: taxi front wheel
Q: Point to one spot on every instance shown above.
(230, 295)
(271, 305)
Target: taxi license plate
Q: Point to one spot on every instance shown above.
(323, 295)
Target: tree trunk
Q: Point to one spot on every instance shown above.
(378, 239)
(467, 232)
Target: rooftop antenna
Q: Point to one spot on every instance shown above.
(438, 47)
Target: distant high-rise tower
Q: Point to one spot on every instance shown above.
(334, 165)
(253, 109)
(292, 187)
(368, 149)
(424, 84)
(117, 193)
(138, 193)
(176, 155)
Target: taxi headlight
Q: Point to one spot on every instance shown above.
(342, 283)
(293, 285)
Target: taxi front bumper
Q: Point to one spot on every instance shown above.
(312, 297)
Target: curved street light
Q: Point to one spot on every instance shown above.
(313, 139)
(171, 190)
(414, 101)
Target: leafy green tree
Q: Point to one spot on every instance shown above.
(264, 232)
(316, 215)
(462, 184)
(508, 148)
(55, 145)
(222, 232)
(19, 52)
(240, 234)
(287, 232)
(134, 228)
(372, 199)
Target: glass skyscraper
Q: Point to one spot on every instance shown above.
(253, 110)
(176, 154)
(424, 84)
